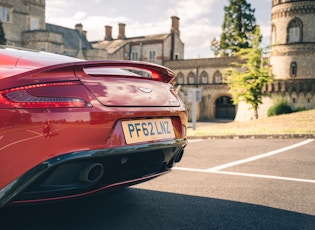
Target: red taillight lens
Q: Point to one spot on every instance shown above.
(21, 97)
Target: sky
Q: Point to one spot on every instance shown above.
(200, 20)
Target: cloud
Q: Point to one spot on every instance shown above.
(200, 20)
(80, 15)
(190, 9)
(95, 26)
(195, 25)
(53, 8)
(197, 37)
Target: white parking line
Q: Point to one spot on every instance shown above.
(194, 140)
(245, 174)
(224, 166)
(191, 169)
(266, 176)
(268, 154)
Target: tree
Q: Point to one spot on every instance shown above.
(237, 29)
(247, 80)
(215, 46)
(3, 41)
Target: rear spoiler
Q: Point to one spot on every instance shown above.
(28, 77)
(158, 72)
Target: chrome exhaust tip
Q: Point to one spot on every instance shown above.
(91, 173)
(179, 156)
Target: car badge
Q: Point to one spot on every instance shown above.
(145, 90)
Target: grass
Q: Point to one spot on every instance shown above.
(299, 123)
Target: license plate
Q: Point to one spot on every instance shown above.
(147, 130)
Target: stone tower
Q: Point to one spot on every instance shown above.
(292, 55)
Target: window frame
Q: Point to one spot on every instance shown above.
(293, 69)
(5, 12)
(152, 55)
(295, 31)
(134, 56)
(180, 79)
(34, 23)
(204, 78)
(217, 77)
(43, 47)
(191, 77)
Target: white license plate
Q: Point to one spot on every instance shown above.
(147, 130)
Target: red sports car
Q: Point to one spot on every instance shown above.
(70, 127)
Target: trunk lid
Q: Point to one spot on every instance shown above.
(120, 87)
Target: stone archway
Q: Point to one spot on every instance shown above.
(224, 108)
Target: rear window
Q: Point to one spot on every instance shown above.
(101, 71)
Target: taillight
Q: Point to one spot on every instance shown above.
(21, 97)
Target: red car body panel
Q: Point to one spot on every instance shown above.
(54, 106)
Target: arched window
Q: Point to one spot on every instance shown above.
(295, 31)
(191, 78)
(204, 77)
(180, 79)
(293, 69)
(217, 77)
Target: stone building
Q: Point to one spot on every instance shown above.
(156, 48)
(208, 75)
(291, 58)
(292, 54)
(24, 25)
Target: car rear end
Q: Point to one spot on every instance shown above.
(74, 128)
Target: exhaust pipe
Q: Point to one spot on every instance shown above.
(179, 156)
(91, 173)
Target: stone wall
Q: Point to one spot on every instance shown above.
(35, 39)
(282, 56)
(284, 53)
(211, 91)
(22, 11)
(298, 89)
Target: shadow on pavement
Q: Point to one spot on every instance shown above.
(144, 209)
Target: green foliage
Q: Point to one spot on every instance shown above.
(3, 40)
(215, 46)
(248, 78)
(300, 109)
(237, 29)
(279, 108)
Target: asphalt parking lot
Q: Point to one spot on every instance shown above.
(219, 184)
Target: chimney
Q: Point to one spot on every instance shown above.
(121, 31)
(174, 33)
(84, 33)
(108, 33)
(175, 23)
(79, 27)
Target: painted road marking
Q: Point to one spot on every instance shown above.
(191, 169)
(267, 177)
(268, 154)
(245, 174)
(194, 140)
(224, 166)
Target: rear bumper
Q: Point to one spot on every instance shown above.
(86, 172)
